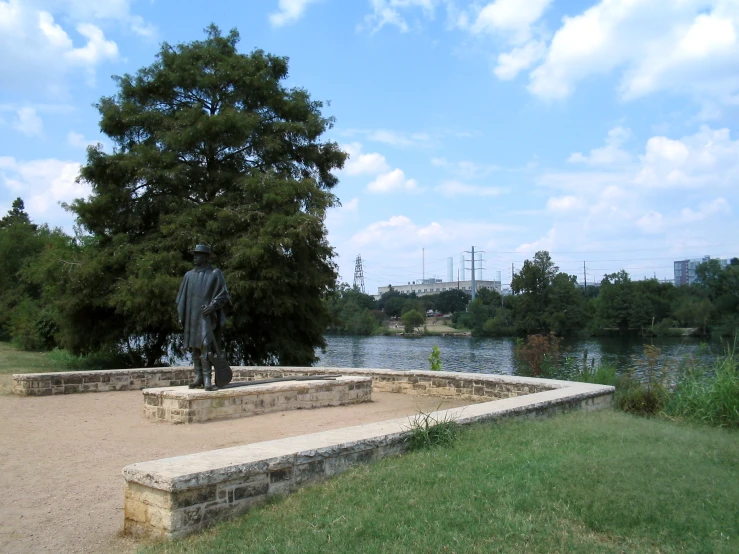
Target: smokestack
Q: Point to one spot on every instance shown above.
(449, 270)
(461, 267)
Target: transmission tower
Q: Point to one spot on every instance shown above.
(359, 274)
(474, 284)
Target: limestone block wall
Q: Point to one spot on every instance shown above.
(225, 491)
(174, 497)
(472, 386)
(175, 405)
(72, 382)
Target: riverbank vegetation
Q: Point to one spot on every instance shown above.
(686, 389)
(596, 482)
(547, 301)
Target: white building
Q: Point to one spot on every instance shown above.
(435, 286)
(685, 269)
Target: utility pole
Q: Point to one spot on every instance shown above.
(512, 278)
(474, 285)
(457, 278)
(584, 275)
(423, 264)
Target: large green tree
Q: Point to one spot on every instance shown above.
(209, 146)
(548, 300)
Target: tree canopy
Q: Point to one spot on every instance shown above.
(209, 147)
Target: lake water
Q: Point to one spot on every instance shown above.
(495, 355)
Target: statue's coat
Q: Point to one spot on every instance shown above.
(200, 287)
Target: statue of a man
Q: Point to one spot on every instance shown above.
(200, 302)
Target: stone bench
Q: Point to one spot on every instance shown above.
(183, 405)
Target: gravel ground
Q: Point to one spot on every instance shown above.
(61, 459)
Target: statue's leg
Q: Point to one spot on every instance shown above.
(198, 365)
(207, 366)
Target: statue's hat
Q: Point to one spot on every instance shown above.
(202, 249)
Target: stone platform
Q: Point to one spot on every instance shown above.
(183, 405)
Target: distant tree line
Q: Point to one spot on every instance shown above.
(547, 301)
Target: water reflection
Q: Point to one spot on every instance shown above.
(495, 355)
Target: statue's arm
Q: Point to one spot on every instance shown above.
(181, 300)
(220, 296)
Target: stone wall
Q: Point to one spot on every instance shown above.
(178, 496)
(471, 386)
(182, 405)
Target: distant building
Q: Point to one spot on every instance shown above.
(435, 286)
(685, 269)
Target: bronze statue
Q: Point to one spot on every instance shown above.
(200, 304)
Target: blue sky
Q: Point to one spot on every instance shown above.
(602, 131)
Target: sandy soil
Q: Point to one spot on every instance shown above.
(61, 459)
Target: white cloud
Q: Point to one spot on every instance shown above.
(610, 154)
(626, 207)
(651, 223)
(395, 138)
(118, 11)
(78, 140)
(511, 17)
(37, 51)
(43, 184)
(400, 232)
(714, 207)
(512, 63)
(565, 204)
(465, 168)
(455, 188)
(392, 181)
(388, 12)
(707, 158)
(28, 122)
(290, 12)
(686, 46)
(363, 164)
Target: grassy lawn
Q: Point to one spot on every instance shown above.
(599, 482)
(13, 360)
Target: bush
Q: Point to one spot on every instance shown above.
(643, 390)
(32, 328)
(637, 397)
(540, 353)
(435, 359)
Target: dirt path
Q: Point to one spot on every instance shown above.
(61, 459)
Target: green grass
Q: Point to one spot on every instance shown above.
(710, 397)
(596, 482)
(14, 360)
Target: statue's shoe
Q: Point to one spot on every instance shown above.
(210, 387)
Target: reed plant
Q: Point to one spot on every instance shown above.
(708, 395)
(428, 430)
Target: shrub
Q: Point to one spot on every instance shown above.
(540, 353)
(604, 374)
(435, 359)
(643, 390)
(427, 431)
(32, 327)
